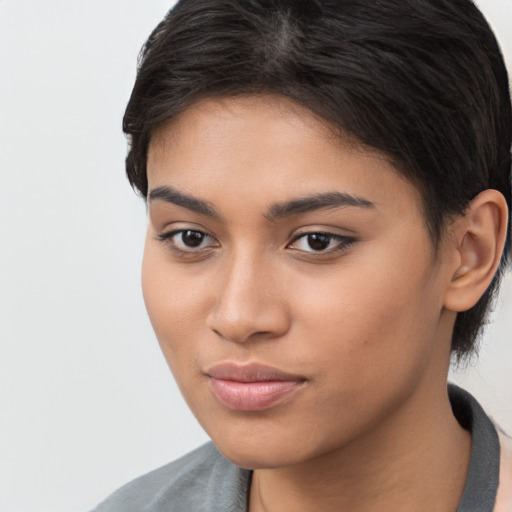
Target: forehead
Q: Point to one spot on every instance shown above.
(266, 147)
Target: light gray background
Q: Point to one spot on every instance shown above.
(86, 401)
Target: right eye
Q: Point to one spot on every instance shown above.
(188, 240)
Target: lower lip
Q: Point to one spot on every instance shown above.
(252, 396)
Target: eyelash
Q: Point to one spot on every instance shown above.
(168, 240)
(343, 242)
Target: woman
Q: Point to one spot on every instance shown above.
(328, 190)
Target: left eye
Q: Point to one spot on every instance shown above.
(320, 242)
(188, 240)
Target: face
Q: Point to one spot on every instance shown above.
(290, 280)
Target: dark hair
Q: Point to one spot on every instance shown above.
(421, 80)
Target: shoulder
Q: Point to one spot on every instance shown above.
(190, 483)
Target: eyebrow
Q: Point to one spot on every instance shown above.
(276, 211)
(171, 195)
(317, 202)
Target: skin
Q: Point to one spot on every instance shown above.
(365, 322)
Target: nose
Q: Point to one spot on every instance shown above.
(248, 302)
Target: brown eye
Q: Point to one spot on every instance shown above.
(318, 241)
(192, 238)
(321, 243)
(188, 240)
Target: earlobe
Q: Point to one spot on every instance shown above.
(479, 239)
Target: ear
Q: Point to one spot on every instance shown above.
(478, 241)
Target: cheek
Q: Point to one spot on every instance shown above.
(371, 347)
(174, 303)
(372, 316)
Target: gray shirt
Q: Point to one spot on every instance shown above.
(205, 481)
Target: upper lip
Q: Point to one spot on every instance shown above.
(253, 372)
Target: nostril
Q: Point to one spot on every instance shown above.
(244, 331)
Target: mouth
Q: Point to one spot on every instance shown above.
(252, 387)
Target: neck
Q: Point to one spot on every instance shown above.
(417, 460)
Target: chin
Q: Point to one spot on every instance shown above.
(249, 457)
(273, 449)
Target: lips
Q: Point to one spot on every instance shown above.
(252, 387)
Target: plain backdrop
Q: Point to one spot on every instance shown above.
(86, 400)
